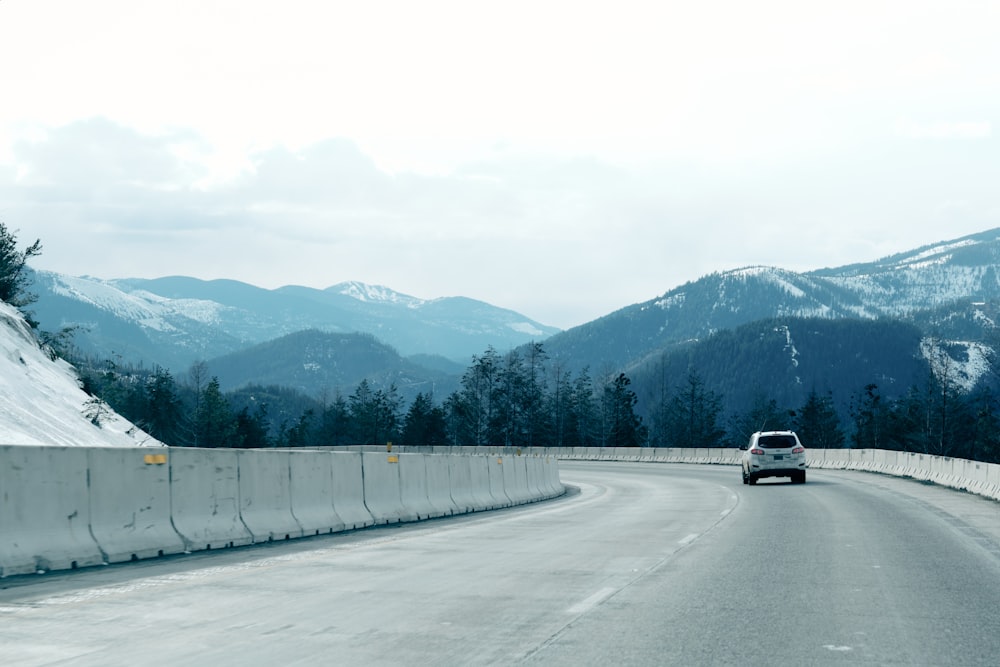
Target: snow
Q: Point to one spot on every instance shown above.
(41, 402)
(937, 250)
(526, 328)
(140, 306)
(376, 294)
(962, 373)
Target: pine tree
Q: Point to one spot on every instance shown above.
(374, 414)
(817, 423)
(424, 424)
(252, 429)
(335, 423)
(14, 277)
(763, 415)
(624, 427)
(692, 415)
(214, 423)
(163, 414)
(869, 419)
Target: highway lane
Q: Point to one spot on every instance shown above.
(644, 564)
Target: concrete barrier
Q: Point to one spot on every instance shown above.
(266, 495)
(349, 490)
(413, 486)
(498, 489)
(129, 494)
(312, 494)
(74, 507)
(382, 488)
(460, 482)
(45, 513)
(439, 484)
(533, 474)
(482, 482)
(205, 498)
(552, 472)
(516, 486)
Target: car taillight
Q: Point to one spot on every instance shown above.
(758, 452)
(798, 450)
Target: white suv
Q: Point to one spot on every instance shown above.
(774, 454)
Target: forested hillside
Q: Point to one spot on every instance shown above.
(315, 362)
(787, 358)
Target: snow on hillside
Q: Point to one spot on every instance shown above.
(963, 369)
(41, 402)
(375, 294)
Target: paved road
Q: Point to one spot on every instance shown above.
(646, 564)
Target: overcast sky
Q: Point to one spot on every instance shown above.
(562, 159)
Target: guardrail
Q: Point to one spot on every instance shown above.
(69, 507)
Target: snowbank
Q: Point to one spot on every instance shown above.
(41, 402)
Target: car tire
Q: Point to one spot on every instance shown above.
(751, 480)
(745, 480)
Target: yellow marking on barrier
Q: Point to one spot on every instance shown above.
(393, 459)
(155, 459)
(500, 460)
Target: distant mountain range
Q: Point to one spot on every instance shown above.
(748, 329)
(173, 322)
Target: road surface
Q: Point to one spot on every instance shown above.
(641, 564)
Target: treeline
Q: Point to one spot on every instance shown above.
(523, 399)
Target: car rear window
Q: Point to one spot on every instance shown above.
(776, 441)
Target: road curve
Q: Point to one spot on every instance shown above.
(643, 564)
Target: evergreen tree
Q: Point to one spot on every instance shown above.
(335, 423)
(14, 276)
(693, 414)
(984, 445)
(300, 435)
(559, 406)
(252, 429)
(163, 413)
(583, 425)
(763, 415)
(533, 397)
(624, 427)
(817, 423)
(374, 414)
(214, 423)
(870, 419)
(478, 405)
(425, 424)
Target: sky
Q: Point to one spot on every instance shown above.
(561, 159)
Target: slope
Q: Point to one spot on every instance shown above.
(41, 402)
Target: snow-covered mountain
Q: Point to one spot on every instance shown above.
(951, 290)
(175, 321)
(41, 402)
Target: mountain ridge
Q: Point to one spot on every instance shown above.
(177, 320)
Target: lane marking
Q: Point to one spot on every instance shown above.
(689, 539)
(591, 602)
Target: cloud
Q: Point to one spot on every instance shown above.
(88, 158)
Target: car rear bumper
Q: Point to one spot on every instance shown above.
(777, 472)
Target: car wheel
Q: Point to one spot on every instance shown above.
(802, 477)
(751, 480)
(745, 480)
